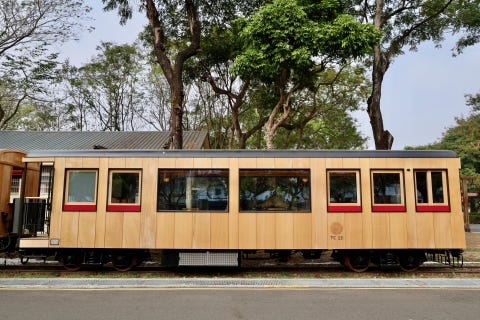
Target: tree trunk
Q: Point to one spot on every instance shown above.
(173, 72)
(383, 138)
(176, 130)
(283, 103)
(269, 136)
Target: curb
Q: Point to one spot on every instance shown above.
(235, 283)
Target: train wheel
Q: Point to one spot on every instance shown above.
(357, 262)
(124, 262)
(24, 260)
(409, 262)
(72, 261)
(5, 243)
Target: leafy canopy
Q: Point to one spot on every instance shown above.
(299, 35)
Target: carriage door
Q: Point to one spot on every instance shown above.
(32, 211)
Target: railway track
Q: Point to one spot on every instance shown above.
(270, 269)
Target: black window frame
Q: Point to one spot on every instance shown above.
(304, 174)
(207, 200)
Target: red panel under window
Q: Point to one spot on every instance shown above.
(123, 207)
(389, 208)
(341, 208)
(433, 208)
(79, 207)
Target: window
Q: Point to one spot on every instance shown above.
(192, 189)
(275, 190)
(81, 190)
(431, 190)
(387, 191)
(15, 187)
(344, 191)
(46, 180)
(124, 190)
(16, 184)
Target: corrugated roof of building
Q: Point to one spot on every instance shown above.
(85, 140)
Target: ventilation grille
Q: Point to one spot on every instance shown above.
(208, 258)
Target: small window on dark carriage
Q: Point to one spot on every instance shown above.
(431, 191)
(275, 190)
(80, 190)
(124, 190)
(192, 190)
(344, 191)
(388, 191)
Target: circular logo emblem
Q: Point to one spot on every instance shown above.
(336, 228)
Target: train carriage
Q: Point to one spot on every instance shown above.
(390, 208)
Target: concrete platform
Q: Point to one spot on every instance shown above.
(235, 283)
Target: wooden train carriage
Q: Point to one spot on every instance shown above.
(254, 200)
(11, 175)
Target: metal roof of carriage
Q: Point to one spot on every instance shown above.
(88, 140)
(210, 153)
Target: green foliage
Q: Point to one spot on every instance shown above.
(297, 35)
(289, 43)
(335, 129)
(29, 71)
(33, 117)
(27, 86)
(406, 24)
(465, 15)
(105, 91)
(332, 127)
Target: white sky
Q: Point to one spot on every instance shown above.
(423, 91)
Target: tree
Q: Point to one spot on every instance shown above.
(249, 102)
(407, 24)
(170, 53)
(28, 28)
(176, 28)
(157, 97)
(329, 124)
(220, 47)
(26, 83)
(473, 100)
(107, 89)
(289, 42)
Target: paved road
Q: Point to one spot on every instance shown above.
(474, 227)
(212, 304)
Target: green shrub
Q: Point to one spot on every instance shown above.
(475, 217)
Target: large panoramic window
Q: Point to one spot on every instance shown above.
(80, 190)
(344, 191)
(192, 189)
(275, 190)
(387, 191)
(431, 190)
(124, 190)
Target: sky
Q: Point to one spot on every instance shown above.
(423, 91)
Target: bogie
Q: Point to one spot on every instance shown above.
(361, 260)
